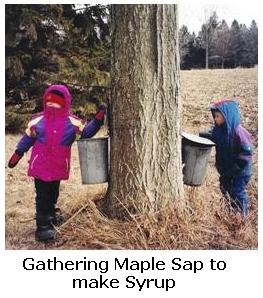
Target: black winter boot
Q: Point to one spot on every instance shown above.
(45, 231)
(57, 217)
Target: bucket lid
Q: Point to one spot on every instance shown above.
(93, 139)
(198, 140)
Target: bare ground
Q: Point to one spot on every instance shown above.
(205, 224)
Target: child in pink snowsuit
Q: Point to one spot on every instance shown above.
(51, 134)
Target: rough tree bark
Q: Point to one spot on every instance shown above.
(145, 111)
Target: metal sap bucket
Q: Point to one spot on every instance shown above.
(93, 158)
(195, 155)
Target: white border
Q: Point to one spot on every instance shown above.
(242, 278)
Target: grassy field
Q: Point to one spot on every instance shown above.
(206, 223)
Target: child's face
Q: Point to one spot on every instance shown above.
(53, 105)
(219, 119)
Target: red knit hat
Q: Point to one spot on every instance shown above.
(55, 97)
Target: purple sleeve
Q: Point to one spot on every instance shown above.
(90, 129)
(24, 144)
(243, 140)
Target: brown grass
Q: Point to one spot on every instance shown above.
(204, 223)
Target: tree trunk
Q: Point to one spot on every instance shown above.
(145, 108)
(207, 51)
(223, 63)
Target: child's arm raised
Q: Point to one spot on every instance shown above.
(94, 125)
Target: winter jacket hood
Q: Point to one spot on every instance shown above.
(230, 111)
(67, 96)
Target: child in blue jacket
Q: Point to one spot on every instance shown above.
(233, 152)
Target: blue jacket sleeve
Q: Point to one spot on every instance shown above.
(90, 128)
(24, 144)
(207, 134)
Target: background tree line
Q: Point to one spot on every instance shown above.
(64, 43)
(219, 46)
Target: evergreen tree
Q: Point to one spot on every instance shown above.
(184, 40)
(30, 42)
(235, 47)
(53, 44)
(253, 43)
(192, 54)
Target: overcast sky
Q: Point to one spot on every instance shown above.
(193, 15)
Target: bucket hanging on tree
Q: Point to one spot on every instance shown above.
(195, 155)
(93, 158)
